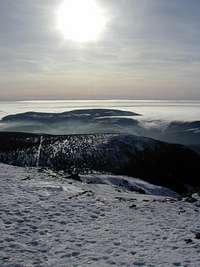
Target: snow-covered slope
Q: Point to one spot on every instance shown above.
(128, 184)
(48, 221)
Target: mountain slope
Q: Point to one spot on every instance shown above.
(160, 163)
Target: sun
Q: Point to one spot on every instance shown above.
(81, 20)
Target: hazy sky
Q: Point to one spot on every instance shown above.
(150, 49)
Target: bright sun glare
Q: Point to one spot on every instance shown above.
(81, 20)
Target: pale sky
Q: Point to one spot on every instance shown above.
(149, 49)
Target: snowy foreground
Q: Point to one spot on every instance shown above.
(46, 220)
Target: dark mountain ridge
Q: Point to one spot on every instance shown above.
(72, 122)
(83, 114)
(170, 165)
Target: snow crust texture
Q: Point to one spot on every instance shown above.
(49, 221)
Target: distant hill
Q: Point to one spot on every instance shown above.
(83, 114)
(182, 132)
(73, 122)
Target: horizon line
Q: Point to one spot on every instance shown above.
(92, 100)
